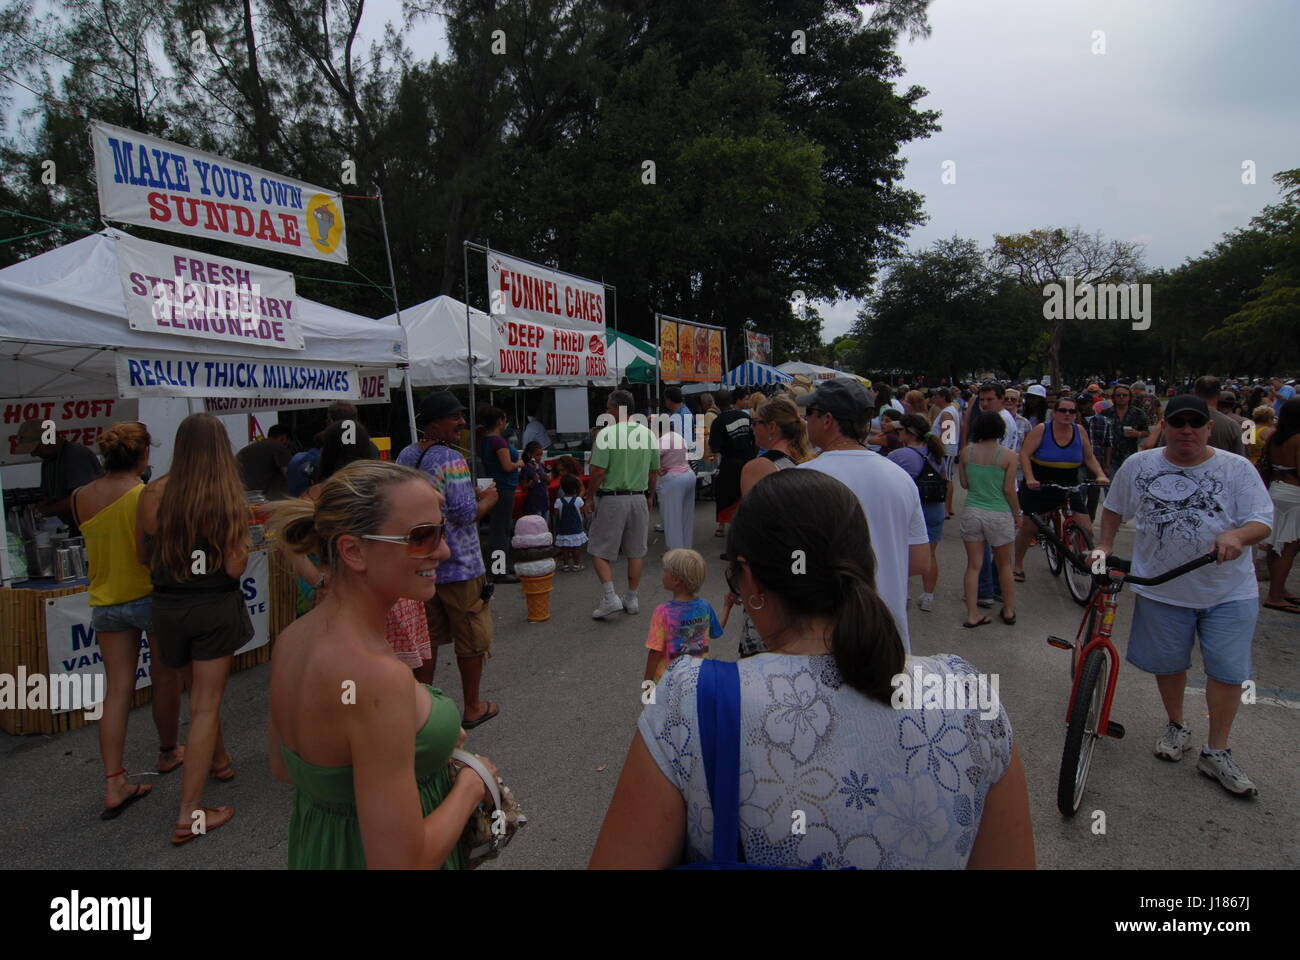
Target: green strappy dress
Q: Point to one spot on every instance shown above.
(325, 834)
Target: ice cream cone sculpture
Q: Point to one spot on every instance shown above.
(535, 565)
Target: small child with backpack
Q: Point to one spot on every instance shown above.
(569, 533)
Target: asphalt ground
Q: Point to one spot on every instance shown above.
(569, 691)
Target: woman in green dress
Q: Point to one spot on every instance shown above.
(364, 744)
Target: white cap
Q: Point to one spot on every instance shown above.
(1038, 390)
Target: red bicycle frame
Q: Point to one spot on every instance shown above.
(1103, 605)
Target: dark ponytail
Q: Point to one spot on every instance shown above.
(835, 577)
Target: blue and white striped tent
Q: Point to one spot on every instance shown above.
(754, 374)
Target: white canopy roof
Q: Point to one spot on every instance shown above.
(435, 331)
(63, 317)
(811, 370)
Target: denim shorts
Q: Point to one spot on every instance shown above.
(1162, 637)
(133, 615)
(935, 514)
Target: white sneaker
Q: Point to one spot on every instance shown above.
(630, 603)
(927, 602)
(1173, 742)
(607, 606)
(1219, 765)
(659, 528)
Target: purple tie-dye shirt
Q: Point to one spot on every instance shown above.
(449, 474)
(682, 628)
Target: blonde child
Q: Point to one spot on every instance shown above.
(684, 625)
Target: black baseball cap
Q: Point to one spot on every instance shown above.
(437, 405)
(1187, 403)
(843, 399)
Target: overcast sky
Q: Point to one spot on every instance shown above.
(1143, 142)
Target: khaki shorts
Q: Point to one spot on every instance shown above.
(994, 527)
(621, 526)
(458, 614)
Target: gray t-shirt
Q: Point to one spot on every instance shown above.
(828, 772)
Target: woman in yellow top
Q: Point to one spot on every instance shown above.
(121, 609)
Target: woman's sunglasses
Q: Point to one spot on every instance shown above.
(422, 542)
(730, 575)
(1068, 411)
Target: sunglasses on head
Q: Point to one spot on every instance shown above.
(421, 542)
(1191, 420)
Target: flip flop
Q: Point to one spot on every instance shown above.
(178, 759)
(1283, 607)
(213, 819)
(1018, 576)
(1005, 619)
(141, 790)
(982, 622)
(493, 710)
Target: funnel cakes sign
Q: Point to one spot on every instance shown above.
(156, 183)
(546, 325)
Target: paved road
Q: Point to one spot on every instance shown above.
(569, 693)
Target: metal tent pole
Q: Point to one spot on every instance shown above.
(397, 310)
(469, 359)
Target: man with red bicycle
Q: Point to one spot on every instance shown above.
(1190, 499)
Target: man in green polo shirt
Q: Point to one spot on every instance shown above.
(624, 470)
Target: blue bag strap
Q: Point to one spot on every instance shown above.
(717, 703)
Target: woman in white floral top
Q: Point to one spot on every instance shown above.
(840, 765)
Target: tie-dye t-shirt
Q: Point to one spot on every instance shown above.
(680, 628)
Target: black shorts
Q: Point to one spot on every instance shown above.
(1045, 501)
(199, 626)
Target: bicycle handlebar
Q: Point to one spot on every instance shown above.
(1125, 565)
(1075, 489)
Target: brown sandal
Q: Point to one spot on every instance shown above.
(178, 759)
(224, 774)
(213, 817)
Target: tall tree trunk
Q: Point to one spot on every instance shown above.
(257, 96)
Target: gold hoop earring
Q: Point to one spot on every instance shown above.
(759, 605)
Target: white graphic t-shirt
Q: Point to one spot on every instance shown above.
(878, 787)
(1179, 511)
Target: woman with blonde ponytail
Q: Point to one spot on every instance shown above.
(121, 609)
(366, 746)
(194, 535)
(832, 711)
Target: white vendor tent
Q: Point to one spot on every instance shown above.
(63, 320)
(810, 370)
(436, 334)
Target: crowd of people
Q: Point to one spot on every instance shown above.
(829, 499)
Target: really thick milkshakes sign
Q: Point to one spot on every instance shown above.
(546, 325)
(156, 183)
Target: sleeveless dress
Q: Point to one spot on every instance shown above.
(750, 642)
(325, 834)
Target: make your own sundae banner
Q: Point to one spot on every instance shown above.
(157, 183)
(76, 421)
(146, 373)
(178, 292)
(689, 352)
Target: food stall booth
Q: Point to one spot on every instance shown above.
(72, 343)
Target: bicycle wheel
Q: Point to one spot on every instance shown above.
(1079, 582)
(1082, 734)
(1053, 557)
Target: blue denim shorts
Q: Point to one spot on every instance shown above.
(935, 514)
(132, 615)
(1162, 637)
